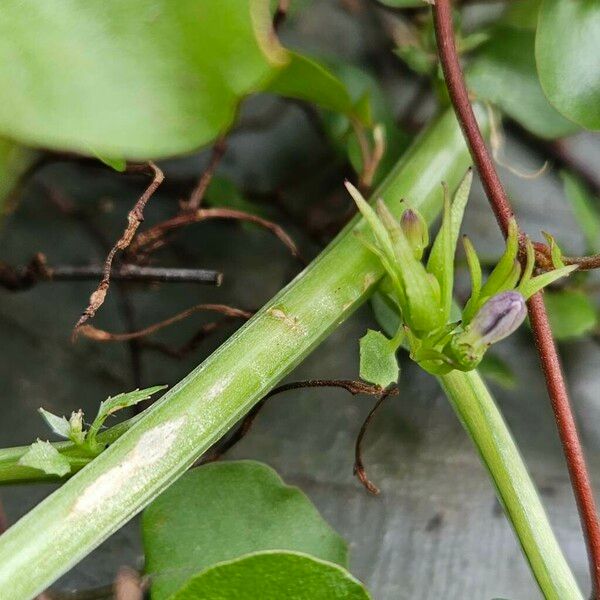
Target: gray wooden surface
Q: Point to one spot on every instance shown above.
(436, 530)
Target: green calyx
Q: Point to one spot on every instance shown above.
(422, 292)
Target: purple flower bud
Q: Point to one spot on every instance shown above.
(500, 316)
(415, 230)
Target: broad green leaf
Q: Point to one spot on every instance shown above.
(45, 457)
(584, 209)
(273, 576)
(118, 164)
(378, 363)
(493, 368)
(222, 511)
(568, 58)
(115, 403)
(504, 74)
(59, 425)
(572, 314)
(14, 161)
(138, 79)
(522, 14)
(306, 79)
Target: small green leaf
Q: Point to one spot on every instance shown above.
(493, 368)
(572, 314)
(504, 74)
(378, 363)
(273, 575)
(223, 511)
(59, 425)
(45, 457)
(224, 193)
(584, 209)
(568, 60)
(126, 399)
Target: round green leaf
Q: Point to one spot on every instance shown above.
(273, 576)
(572, 314)
(133, 79)
(504, 73)
(568, 58)
(222, 511)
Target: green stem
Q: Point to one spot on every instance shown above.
(189, 418)
(481, 418)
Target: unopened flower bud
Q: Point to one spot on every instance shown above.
(500, 316)
(415, 230)
(76, 423)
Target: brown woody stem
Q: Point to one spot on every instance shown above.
(546, 347)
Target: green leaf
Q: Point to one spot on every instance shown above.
(378, 363)
(273, 576)
(118, 164)
(522, 14)
(504, 74)
(224, 193)
(584, 210)
(59, 425)
(572, 314)
(372, 104)
(493, 368)
(45, 457)
(115, 403)
(568, 58)
(133, 79)
(222, 511)
(14, 161)
(306, 79)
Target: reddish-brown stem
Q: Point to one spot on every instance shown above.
(582, 488)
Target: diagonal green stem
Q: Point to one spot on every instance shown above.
(481, 418)
(165, 441)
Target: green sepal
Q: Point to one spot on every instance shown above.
(476, 279)
(502, 271)
(535, 284)
(441, 259)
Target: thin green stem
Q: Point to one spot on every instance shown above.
(481, 418)
(194, 414)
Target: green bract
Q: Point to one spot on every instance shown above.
(422, 293)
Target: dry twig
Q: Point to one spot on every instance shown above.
(100, 335)
(134, 220)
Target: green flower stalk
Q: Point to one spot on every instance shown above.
(422, 292)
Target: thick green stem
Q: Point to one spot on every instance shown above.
(481, 418)
(194, 414)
